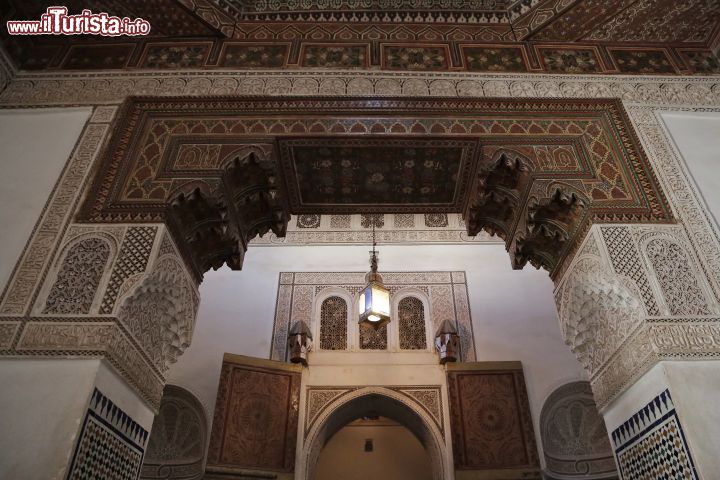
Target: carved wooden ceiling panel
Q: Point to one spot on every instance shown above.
(536, 173)
(377, 173)
(557, 36)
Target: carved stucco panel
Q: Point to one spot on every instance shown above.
(282, 322)
(431, 400)
(100, 87)
(101, 339)
(683, 196)
(676, 275)
(300, 293)
(687, 338)
(78, 279)
(8, 330)
(132, 260)
(629, 362)
(160, 313)
(625, 258)
(302, 304)
(441, 301)
(464, 322)
(597, 313)
(103, 114)
(77, 336)
(317, 400)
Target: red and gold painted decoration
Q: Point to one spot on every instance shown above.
(490, 419)
(256, 417)
(535, 172)
(551, 36)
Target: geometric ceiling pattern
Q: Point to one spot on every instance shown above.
(556, 36)
(536, 173)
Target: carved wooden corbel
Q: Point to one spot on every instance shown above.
(215, 228)
(549, 225)
(496, 197)
(204, 232)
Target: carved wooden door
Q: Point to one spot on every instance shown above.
(254, 430)
(492, 429)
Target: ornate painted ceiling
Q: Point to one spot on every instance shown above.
(220, 171)
(377, 174)
(556, 36)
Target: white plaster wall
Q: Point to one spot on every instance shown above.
(396, 454)
(43, 403)
(513, 313)
(113, 386)
(695, 389)
(34, 147)
(697, 137)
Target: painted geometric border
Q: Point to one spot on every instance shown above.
(651, 440)
(103, 203)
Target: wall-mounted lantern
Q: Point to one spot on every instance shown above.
(447, 342)
(300, 342)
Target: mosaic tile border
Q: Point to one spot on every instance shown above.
(637, 432)
(104, 417)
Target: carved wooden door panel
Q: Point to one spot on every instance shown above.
(492, 430)
(256, 418)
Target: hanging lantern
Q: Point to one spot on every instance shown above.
(374, 302)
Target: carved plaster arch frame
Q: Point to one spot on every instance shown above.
(324, 294)
(429, 331)
(438, 448)
(71, 241)
(669, 235)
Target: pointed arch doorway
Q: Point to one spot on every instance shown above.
(416, 428)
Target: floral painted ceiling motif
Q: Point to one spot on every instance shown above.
(558, 36)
